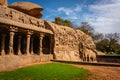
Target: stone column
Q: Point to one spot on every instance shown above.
(41, 39)
(32, 46)
(28, 44)
(19, 45)
(11, 41)
(3, 44)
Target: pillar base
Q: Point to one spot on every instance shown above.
(41, 54)
(32, 53)
(27, 53)
(19, 53)
(11, 53)
(3, 53)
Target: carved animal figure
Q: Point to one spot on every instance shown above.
(89, 55)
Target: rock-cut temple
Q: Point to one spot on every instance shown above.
(26, 39)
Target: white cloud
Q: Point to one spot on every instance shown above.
(67, 11)
(105, 17)
(78, 8)
(71, 13)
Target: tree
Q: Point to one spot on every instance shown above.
(97, 37)
(111, 36)
(59, 21)
(102, 45)
(63, 22)
(86, 28)
(110, 43)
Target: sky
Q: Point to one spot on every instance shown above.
(102, 15)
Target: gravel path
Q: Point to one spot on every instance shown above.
(102, 72)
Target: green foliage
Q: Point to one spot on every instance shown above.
(51, 71)
(86, 28)
(108, 46)
(60, 21)
(112, 54)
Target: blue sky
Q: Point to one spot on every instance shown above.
(103, 15)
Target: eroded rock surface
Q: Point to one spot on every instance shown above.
(25, 39)
(3, 2)
(73, 45)
(28, 8)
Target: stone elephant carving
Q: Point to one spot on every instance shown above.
(89, 55)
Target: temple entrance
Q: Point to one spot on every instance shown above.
(46, 45)
(23, 43)
(34, 44)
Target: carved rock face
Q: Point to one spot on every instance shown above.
(28, 8)
(3, 2)
(72, 44)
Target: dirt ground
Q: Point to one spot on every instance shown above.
(97, 72)
(102, 72)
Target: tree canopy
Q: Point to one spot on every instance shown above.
(63, 22)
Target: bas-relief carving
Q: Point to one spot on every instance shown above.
(67, 40)
(15, 15)
(69, 44)
(70, 40)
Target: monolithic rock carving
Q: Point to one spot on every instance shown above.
(29, 39)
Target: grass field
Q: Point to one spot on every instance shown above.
(51, 71)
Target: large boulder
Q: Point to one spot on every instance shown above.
(28, 8)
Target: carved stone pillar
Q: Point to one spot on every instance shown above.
(28, 44)
(29, 32)
(32, 46)
(41, 39)
(19, 45)
(11, 41)
(3, 45)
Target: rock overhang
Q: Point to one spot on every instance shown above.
(28, 8)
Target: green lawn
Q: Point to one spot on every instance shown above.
(112, 54)
(51, 71)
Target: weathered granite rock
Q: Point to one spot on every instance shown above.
(54, 41)
(3, 2)
(73, 45)
(28, 8)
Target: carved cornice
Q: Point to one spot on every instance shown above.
(14, 15)
(29, 32)
(13, 29)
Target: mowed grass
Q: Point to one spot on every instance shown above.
(50, 71)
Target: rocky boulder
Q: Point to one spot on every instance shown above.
(28, 8)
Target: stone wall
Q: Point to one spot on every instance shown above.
(10, 62)
(108, 59)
